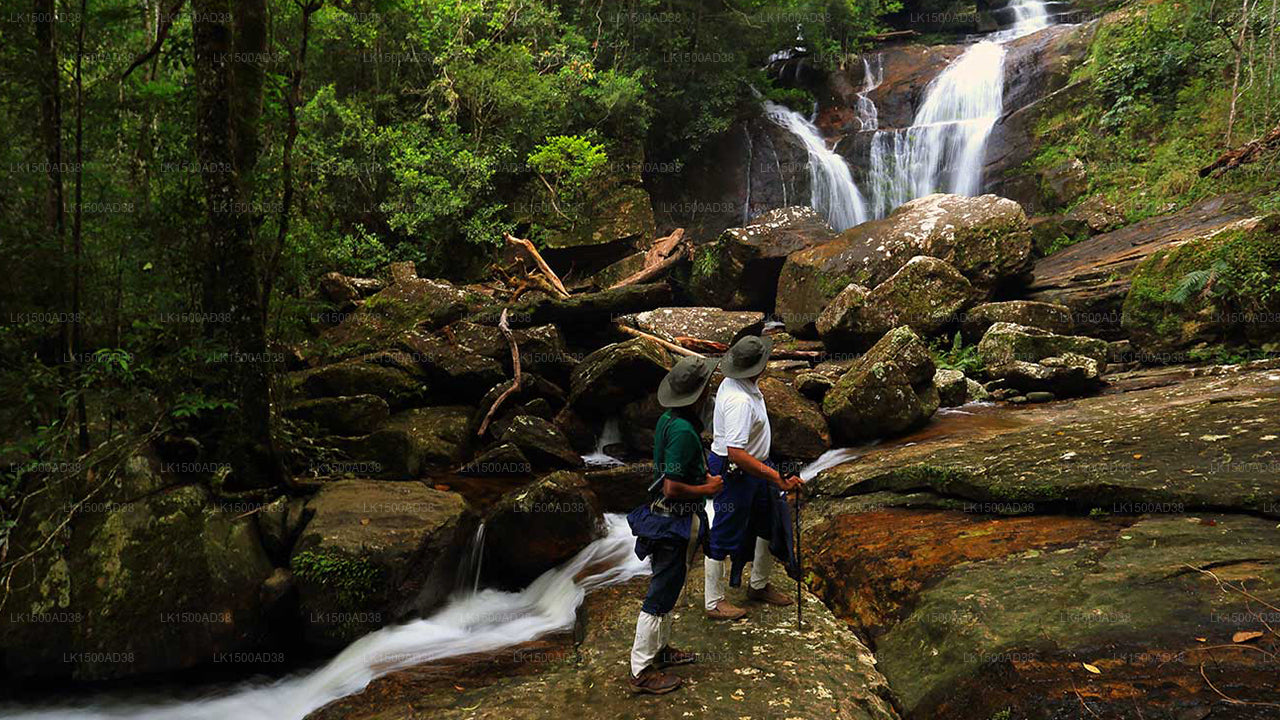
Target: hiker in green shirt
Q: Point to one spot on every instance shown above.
(671, 526)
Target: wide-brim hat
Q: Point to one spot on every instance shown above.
(684, 384)
(747, 358)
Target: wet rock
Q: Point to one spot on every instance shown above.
(1046, 316)
(538, 527)
(1091, 217)
(975, 392)
(799, 429)
(352, 415)
(985, 238)
(705, 323)
(412, 441)
(1176, 299)
(750, 664)
(1130, 604)
(1068, 375)
(542, 347)
(541, 442)
(1065, 182)
(1040, 397)
(740, 268)
(1092, 276)
(95, 604)
(1160, 445)
(374, 553)
(889, 390)
(814, 385)
(617, 374)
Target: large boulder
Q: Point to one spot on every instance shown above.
(888, 391)
(1218, 288)
(412, 441)
(410, 302)
(541, 442)
(926, 295)
(453, 369)
(616, 374)
(1030, 359)
(985, 238)
(706, 323)
(1005, 342)
(354, 415)
(740, 268)
(376, 552)
(1046, 316)
(392, 376)
(536, 528)
(145, 577)
(799, 429)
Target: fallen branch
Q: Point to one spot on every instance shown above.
(663, 247)
(542, 264)
(651, 272)
(1230, 699)
(515, 383)
(664, 343)
(893, 34)
(1247, 153)
(711, 347)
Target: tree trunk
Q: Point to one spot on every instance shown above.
(229, 81)
(77, 236)
(48, 89)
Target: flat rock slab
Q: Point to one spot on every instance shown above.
(758, 668)
(1210, 442)
(1092, 276)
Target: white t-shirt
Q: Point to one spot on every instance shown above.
(741, 420)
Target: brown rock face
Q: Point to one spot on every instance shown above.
(798, 427)
(1045, 316)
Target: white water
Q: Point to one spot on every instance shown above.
(482, 622)
(469, 574)
(833, 192)
(610, 434)
(868, 115)
(830, 459)
(943, 150)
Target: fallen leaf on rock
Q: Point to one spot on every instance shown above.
(1201, 640)
(1245, 636)
(1137, 456)
(365, 521)
(1091, 668)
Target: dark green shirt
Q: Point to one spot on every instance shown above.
(677, 450)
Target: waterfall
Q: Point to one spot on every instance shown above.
(610, 434)
(832, 190)
(944, 148)
(484, 622)
(469, 574)
(868, 116)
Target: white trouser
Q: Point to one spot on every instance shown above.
(713, 582)
(653, 632)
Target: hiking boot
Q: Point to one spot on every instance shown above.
(669, 656)
(725, 611)
(767, 594)
(653, 681)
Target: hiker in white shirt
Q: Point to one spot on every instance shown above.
(745, 508)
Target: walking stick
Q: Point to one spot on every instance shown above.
(799, 570)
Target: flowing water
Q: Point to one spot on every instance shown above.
(470, 623)
(944, 148)
(832, 190)
(610, 434)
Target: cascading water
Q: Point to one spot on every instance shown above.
(469, 574)
(868, 115)
(943, 149)
(473, 623)
(833, 192)
(610, 434)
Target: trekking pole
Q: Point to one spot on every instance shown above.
(799, 570)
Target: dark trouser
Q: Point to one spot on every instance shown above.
(669, 561)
